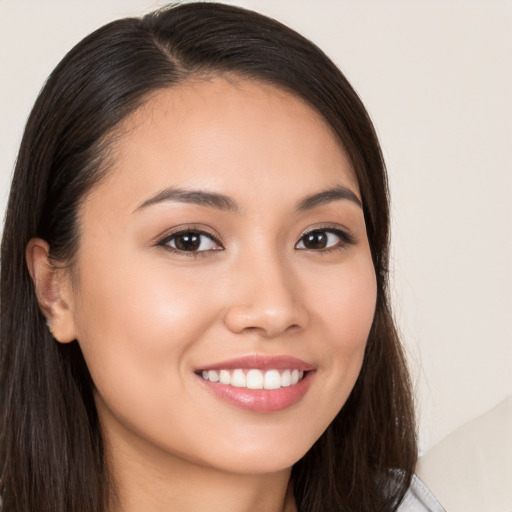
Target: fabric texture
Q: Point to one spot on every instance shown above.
(419, 499)
(471, 469)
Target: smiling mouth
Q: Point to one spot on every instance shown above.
(258, 383)
(254, 378)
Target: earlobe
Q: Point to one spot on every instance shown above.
(52, 290)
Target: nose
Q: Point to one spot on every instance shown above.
(265, 297)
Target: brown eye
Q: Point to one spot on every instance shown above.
(188, 242)
(315, 240)
(191, 241)
(322, 239)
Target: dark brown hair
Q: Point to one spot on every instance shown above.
(51, 451)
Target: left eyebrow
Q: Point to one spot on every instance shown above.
(327, 196)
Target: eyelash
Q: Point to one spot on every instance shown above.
(183, 231)
(346, 239)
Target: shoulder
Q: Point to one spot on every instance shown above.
(419, 498)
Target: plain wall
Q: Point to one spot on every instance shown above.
(436, 78)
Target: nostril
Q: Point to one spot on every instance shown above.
(266, 320)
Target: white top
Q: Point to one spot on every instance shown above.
(419, 498)
(471, 469)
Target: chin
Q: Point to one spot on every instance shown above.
(260, 458)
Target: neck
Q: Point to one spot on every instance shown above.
(145, 479)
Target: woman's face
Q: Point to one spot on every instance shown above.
(227, 242)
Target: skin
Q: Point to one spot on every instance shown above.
(146, 317)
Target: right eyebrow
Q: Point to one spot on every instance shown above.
(199, 197)
(335, 193)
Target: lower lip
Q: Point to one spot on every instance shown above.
(261, 400)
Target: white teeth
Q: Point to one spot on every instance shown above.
(213, 376)
(254, 378)
(224, 377)
(286, 378)
(238, 379)
(272, 380)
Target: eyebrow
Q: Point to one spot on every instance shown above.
(199, 197)
(327, 196)
(226, 203)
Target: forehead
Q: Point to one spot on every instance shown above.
(236, 135)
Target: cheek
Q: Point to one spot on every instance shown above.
(345, 307)
(135, 329)
(345, 303)
(131, 323)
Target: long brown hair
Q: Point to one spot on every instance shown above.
(51, 451)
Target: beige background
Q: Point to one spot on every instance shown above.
(436, 77)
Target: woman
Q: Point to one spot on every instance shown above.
(194, 268)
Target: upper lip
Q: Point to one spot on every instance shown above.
(262, 362)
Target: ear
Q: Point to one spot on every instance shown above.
(53, 290)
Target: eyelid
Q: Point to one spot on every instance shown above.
(327, 227)
(163, 239)
(198, 228)
(345, 234)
